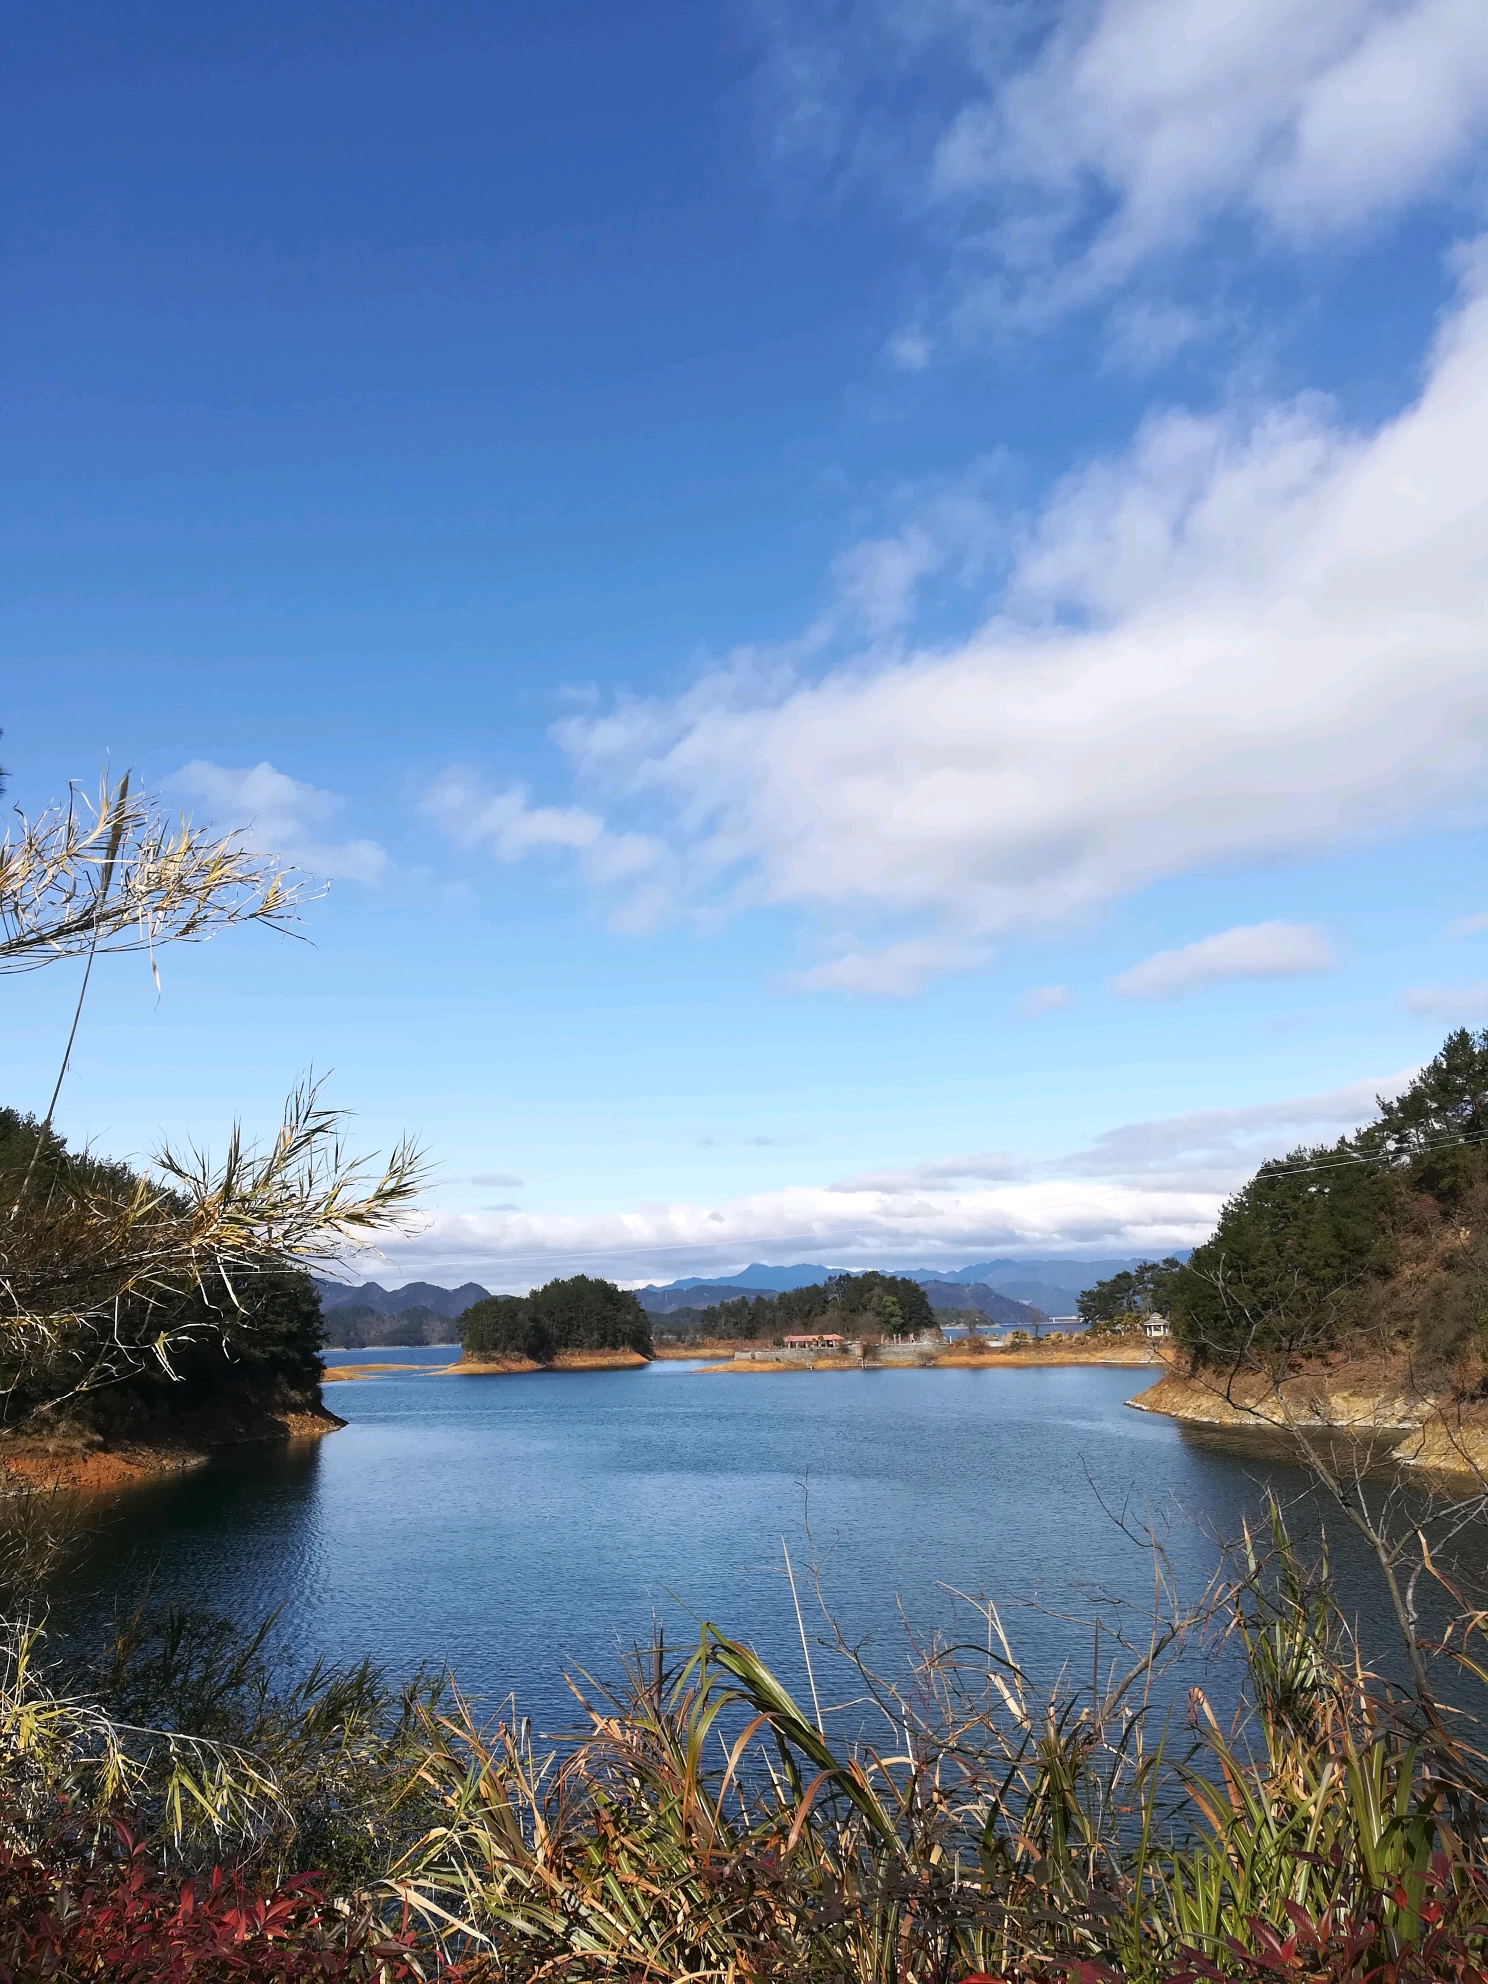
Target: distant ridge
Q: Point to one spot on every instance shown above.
(446, 1302)
(1052, 1282)
(991, 1302)
(768, 1281)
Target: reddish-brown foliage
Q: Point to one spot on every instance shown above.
(122, 1918)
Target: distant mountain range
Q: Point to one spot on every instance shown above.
(700, 1295)
(999, 1288)
(447, 1302)
(1054, 1282)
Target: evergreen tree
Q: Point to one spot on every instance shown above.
(1292, 1254)
(1126, 1298)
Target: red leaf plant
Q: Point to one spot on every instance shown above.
(119, 1917)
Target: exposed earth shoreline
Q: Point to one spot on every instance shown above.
(495, 1367)
(1368, 1402)
(748, 1359)
(74, 1460)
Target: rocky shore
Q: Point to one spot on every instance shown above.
(1373, 1402)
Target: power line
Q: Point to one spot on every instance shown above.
(1337, 1162)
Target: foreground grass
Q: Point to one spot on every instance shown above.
(705, 1824)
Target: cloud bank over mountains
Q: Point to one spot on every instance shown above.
(1140, 1188)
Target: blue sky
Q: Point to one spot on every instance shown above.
(876, 616)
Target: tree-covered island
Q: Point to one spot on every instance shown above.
(576, 1314)
(861, 1305)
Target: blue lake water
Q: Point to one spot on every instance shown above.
(514, 1526)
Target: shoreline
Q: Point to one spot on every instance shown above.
(493, 1367)
(83, 1463)
(566, 1360)
(1358, 1402)
(1134, 1358)
(716, 1358)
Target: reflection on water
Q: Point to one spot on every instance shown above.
(512, 1526)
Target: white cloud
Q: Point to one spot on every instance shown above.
(898, 971)
(503, 824)
(1047, 999)
(1254, 950)
(1467, 926)
(1457, 1003)
(1172, 111)
(844, 1227)
(282, 816)
(1233, 643)
(1062, 147)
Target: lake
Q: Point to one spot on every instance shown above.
(512, 1526)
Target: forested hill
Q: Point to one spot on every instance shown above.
(693, 1295)
(354, 1327)
(977, 1296)
(1374, 1248)
(850, 1304)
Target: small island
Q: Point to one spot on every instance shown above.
(574, 1324)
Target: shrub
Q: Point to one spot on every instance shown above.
(118, 1917)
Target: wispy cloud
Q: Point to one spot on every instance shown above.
(505, 824)
(1217, 1148)
(794, 1141)
(1046, 999)
(495, 1180)
(281, 815)
(939, 1174)
(1254, 950)
(1457, 1003)
(897, 971)
(1061, 151)
(1468, 926)
(950, 530)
